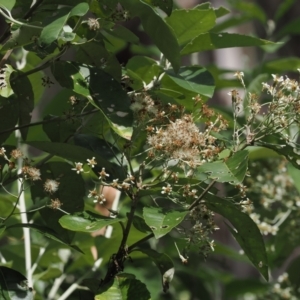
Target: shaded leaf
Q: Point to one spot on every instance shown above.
(78, 154)
(14, 285)
(93, 53)
(21, 37)
(23, 90)
(283, 65)
(165, 5)
(47, 232)
(245, 231)
(101, 89)
(291, 28)
(161, 220)
(232, 170)
(283, 9)
(161, 34)
(239, 287)
(251, 9)
(163, 263)
(9, 115)
(211, 41)
(70, 193)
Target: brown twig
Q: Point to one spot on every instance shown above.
(197, 201)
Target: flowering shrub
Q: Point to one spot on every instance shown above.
(144, 130)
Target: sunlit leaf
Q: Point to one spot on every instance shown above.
(124, 287)
(231, 170)
(86, 222)
(187, 24)
(51, 32)
(163, 263)
(161, 220)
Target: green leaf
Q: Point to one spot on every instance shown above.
(124, 287)
(51, 32)
(245, 231)
(161, 34)
(71, 191)
(144, 70)
(2, 229)
(163, 263)
(221, 11)
(189, 81)
(46, 231)
(251, 9)
(283, 8)
(291, 153)
(124, 34)
(294, 173)
(232, 170)
(283, 65)
(60, 130)
(161, 220)
(9, 114)
(14, 285)
(87, 221)
(77, 154)
(211, 41)
(93, 53)
(50, 273)
(8, 4)
(21, 37)
(23, 90)
(5, 86)
(291, 28)
(140, 224)
(239, 287)
(165, 5)
(187, 24)
(98, 146)
(101, 89)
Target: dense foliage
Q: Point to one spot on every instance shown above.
(77, 121)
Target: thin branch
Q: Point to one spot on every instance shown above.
(32, 9)
(197, 201)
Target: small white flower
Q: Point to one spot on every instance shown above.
(103, 174)
(100, 199)
(78, 168)
(92, 162)
(2, 151)
(51, 186)
(167, 189)
(31, 173)
(92, 193)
